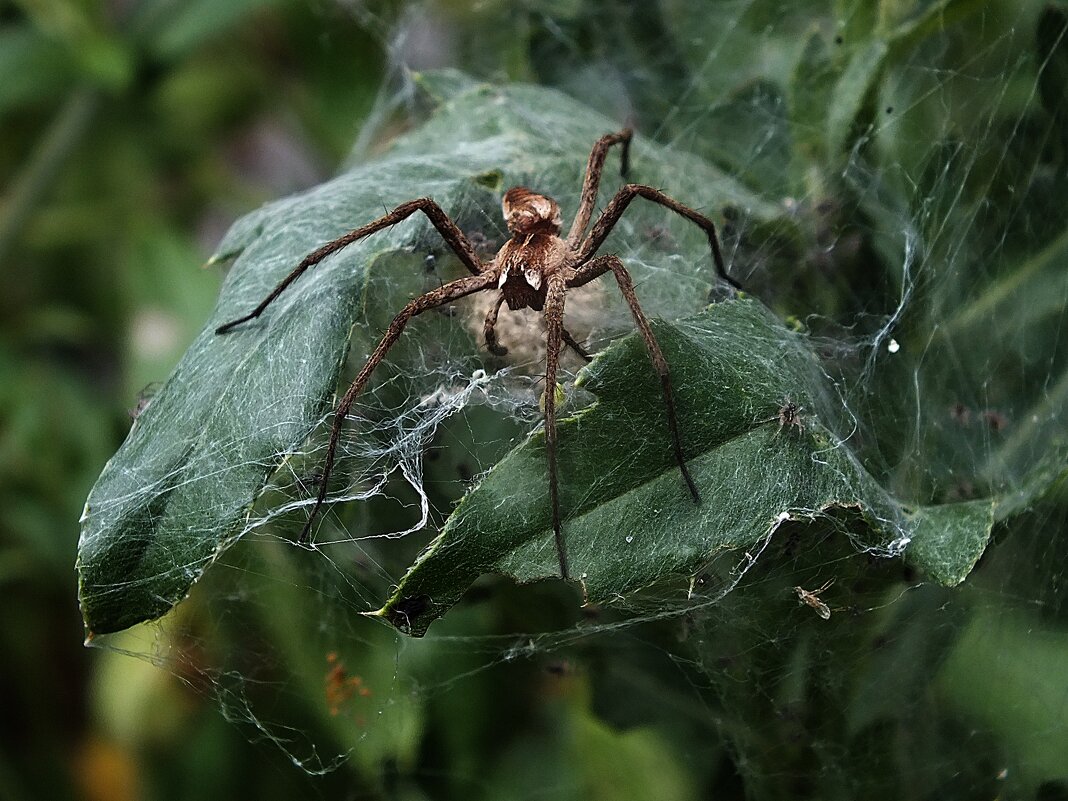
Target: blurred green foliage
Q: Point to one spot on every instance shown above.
(131, 133)
(920, 150)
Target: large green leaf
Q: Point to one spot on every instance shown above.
(180, 488)
(628, 518)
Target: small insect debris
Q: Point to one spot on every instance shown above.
(812, 598)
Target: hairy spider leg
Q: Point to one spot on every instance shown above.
(438, 297)
(575, 346)
(615, 208)
(599, 267)
(452, 235)
(554, 321)
(489, 332)
(592, 181)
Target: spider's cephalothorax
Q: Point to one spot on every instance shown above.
(527, 212)
(535, 249)
(534, 269)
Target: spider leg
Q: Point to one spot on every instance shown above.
(493, 346)
(600, 266)
(572, 343)
(614, 210)
(450, 232)
(593, 179)
(554, 321)
(437, 297)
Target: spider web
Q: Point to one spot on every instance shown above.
(918, 244)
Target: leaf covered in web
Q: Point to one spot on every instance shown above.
(628, 518)
(180, 489)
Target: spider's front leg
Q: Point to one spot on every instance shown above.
(592, 181)
(438, 297)
(599, 267)
(614, 210)
(449, 231)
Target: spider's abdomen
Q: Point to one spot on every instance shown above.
(525, 261)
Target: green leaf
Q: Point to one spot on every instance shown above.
(948, 540)
(853, 92)
(179, 490)
(628, 518)
(877, 47)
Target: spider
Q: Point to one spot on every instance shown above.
(533, 269)
(790, 416)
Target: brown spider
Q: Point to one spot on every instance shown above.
(534, 269)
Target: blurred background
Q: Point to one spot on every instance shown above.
(134, 132)
(131, 135)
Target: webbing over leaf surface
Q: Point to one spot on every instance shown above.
(180, 488)
(628, 518)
